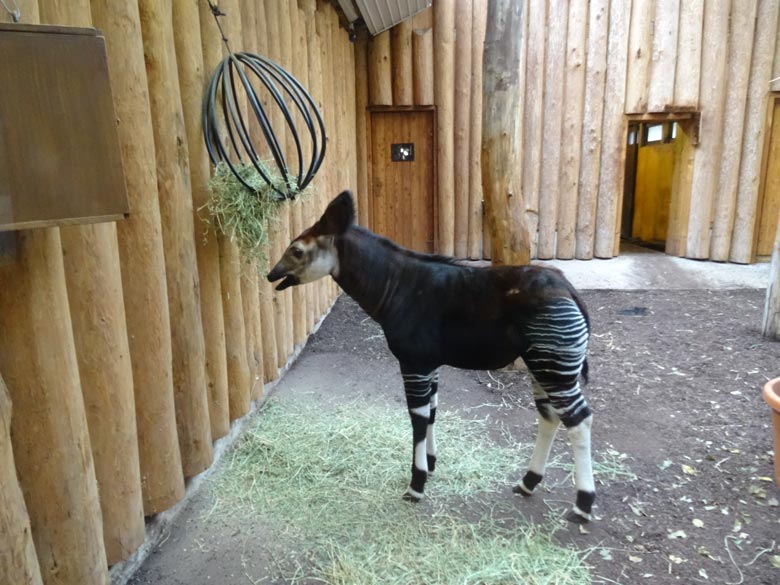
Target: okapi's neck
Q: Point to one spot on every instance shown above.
(368, 272)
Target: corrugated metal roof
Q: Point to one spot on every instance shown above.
(380, 15)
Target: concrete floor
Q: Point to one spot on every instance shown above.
(638, 268)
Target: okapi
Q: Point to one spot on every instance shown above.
(435, 311)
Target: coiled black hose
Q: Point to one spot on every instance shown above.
(222, 116)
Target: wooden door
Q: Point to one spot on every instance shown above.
(403, 176)
(770, 199)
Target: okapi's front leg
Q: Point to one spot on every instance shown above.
(418, 388)
(430, 437)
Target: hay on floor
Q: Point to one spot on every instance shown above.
(329, 484)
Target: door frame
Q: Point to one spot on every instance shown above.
(370, 166)
(689, 122)
(774, 98)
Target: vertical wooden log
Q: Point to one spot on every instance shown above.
(771, 325)
(422, 67)
(557, 22)
(229, 262)
(478, 20)
(661, 91)
(49, 428)
(746, 221)
(444, 94)
(380, 86)
(317, 92)
(142, 261)
(613, 145)
(712, 103)
(242, 26)
(423, 19)
(173, 183)
(686, 77)
(189, 59)
(401, 45)
(504, 204)
(282, 318)
(571, 136)
(462, 125)
(361, 103)
(267, 317)
(740, 55)
(590, 158)
(94, 282)
(640, 47)
(18, 561)
(534, 112)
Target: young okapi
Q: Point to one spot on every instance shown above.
(435, 311)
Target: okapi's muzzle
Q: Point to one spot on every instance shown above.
(279, 271)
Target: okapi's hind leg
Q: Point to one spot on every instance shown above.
(419, 390)
(547, 427)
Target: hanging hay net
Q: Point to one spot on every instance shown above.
(266, 136)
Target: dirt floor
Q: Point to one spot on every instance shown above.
(676, 381)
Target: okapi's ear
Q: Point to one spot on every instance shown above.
(339, 215)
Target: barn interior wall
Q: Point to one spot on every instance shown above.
(586, 65)
(128, 349)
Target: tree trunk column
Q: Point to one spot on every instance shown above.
(504, 205)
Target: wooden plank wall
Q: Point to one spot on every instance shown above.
(586, 65)
(189, 332)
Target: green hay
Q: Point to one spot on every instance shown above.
(245, 216)
(333, 481)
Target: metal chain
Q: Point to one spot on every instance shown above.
(16, 14)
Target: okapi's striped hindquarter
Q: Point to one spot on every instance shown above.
(435, 311)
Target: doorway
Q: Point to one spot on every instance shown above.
(402, 183)
(657, 180)
(769, 201)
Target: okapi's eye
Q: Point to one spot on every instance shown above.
(297, 253)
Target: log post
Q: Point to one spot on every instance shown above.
(571, 135)
(49, 428)
(142, 261)
(593, 111)
(267, 319)
(771, 326)
(401, 62)
(361, 104)
(640, 50)
(500, 157)
(462, 125)
(189, 59)
(18, 561)
(181, 267)
(94, 282)
(550, 171)
(422, 67)
(229, 262)
(380, 77)
(479, 15)
(613, 146)
(444, 92)
(283, 319)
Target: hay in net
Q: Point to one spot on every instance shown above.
(245, 216)
(328, 484)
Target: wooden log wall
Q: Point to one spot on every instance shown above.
(128, 348)
(587, 69)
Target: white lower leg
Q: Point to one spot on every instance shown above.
(583, 467)
(545, 435)
(430, 436)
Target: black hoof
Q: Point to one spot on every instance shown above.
(410, 498)
(578, 517)
(522, 490)
(431, 463)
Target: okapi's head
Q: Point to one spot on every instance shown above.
(313, 254)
